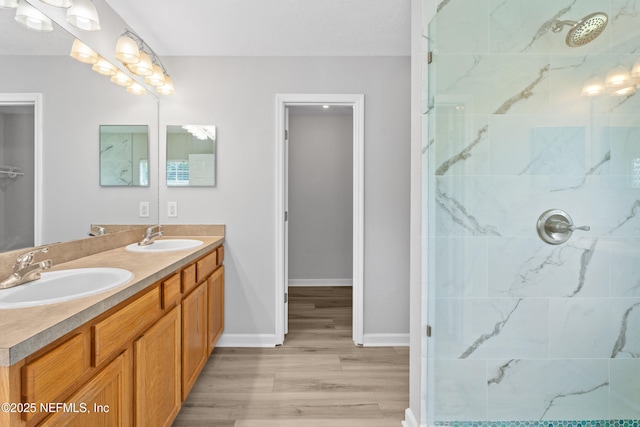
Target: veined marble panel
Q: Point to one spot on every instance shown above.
(624, 26)
(460, 268)
(479, 328)
(115, 159)
(461, 143)
(528, 267)
(488, 206)
(461, 27)
(548, 389)
(492, 84)
(625, 388)
(624, 254)
(460, 390)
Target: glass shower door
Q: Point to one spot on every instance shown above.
(533, 320)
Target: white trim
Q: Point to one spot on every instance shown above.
(409, 419)
(386, 340)
(320, 282)
(357, 102)
(246, 340)
(34, 99)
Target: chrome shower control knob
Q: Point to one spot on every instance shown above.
(555, 226)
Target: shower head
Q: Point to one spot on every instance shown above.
(583, 31)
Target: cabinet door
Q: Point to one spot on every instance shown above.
(194, 337)
(157, 372)
(105, 401)
(216, 306)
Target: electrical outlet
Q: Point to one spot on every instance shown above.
(144, 210)
(172, 209)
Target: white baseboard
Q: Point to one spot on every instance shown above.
(246, 340)
(386, 340)
(409, 419)
(321, 282)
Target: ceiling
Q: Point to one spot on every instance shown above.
(271, 27)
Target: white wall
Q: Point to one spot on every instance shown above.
(238, 96)
(320, 198)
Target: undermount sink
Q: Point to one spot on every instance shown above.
(63, 285)
(165, 245)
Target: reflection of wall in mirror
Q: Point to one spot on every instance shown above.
(121, 158)
(201, 171)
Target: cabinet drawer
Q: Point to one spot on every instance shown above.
(46, 378)
(171, 290)
(112, 333)
(188, 278)
(220, 254)
(206, 266)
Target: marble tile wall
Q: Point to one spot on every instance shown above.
(524, 330)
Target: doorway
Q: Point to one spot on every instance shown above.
(356, 104)
(20, 171)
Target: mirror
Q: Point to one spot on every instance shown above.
(75, 102)
(124, 155)
(191, 156)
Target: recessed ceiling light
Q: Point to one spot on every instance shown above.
(325, 106)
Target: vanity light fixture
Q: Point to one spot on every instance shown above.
(136, 89)
(8, 4)
(104, 67)
(635, 70)
(127, 50)
(121, 79)
(83, 53)
(144, 67)
(58, 3)
(141, 60)
(31, 18)
(167, 88)
(83, 15)
(618, 77)
(593, 87)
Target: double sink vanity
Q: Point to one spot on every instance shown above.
(114, 333)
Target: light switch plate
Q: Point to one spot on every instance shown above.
(172, 209)
(143, 210)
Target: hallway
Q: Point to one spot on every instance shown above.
(318, 378)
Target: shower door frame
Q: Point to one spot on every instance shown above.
(34, 100)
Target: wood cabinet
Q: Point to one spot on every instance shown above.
(131, 366)
(215, 284)
(105, 401)
(157, 372)
(194, 337)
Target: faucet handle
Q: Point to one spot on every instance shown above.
(27, 258)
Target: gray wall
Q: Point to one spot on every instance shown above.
(237, 94)
(320, 198)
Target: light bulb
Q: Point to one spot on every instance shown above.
(167, 88)
(136, 89)
(121, 79)
(157, 77)
(617, 77)
(83, 53)
(104, 67)
(592, 87)
(127, 50)
(31, 18)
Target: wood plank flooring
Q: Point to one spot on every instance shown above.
(318, 378)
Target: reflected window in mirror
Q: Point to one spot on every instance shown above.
(191, 155)
(124, 155)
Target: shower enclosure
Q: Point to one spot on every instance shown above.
(534, 322)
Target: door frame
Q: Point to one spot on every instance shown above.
(35, 100)
(356, 101)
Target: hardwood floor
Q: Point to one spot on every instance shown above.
(318, 378)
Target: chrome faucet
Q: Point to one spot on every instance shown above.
(150, 236)
(101, 231)
(25, 270)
